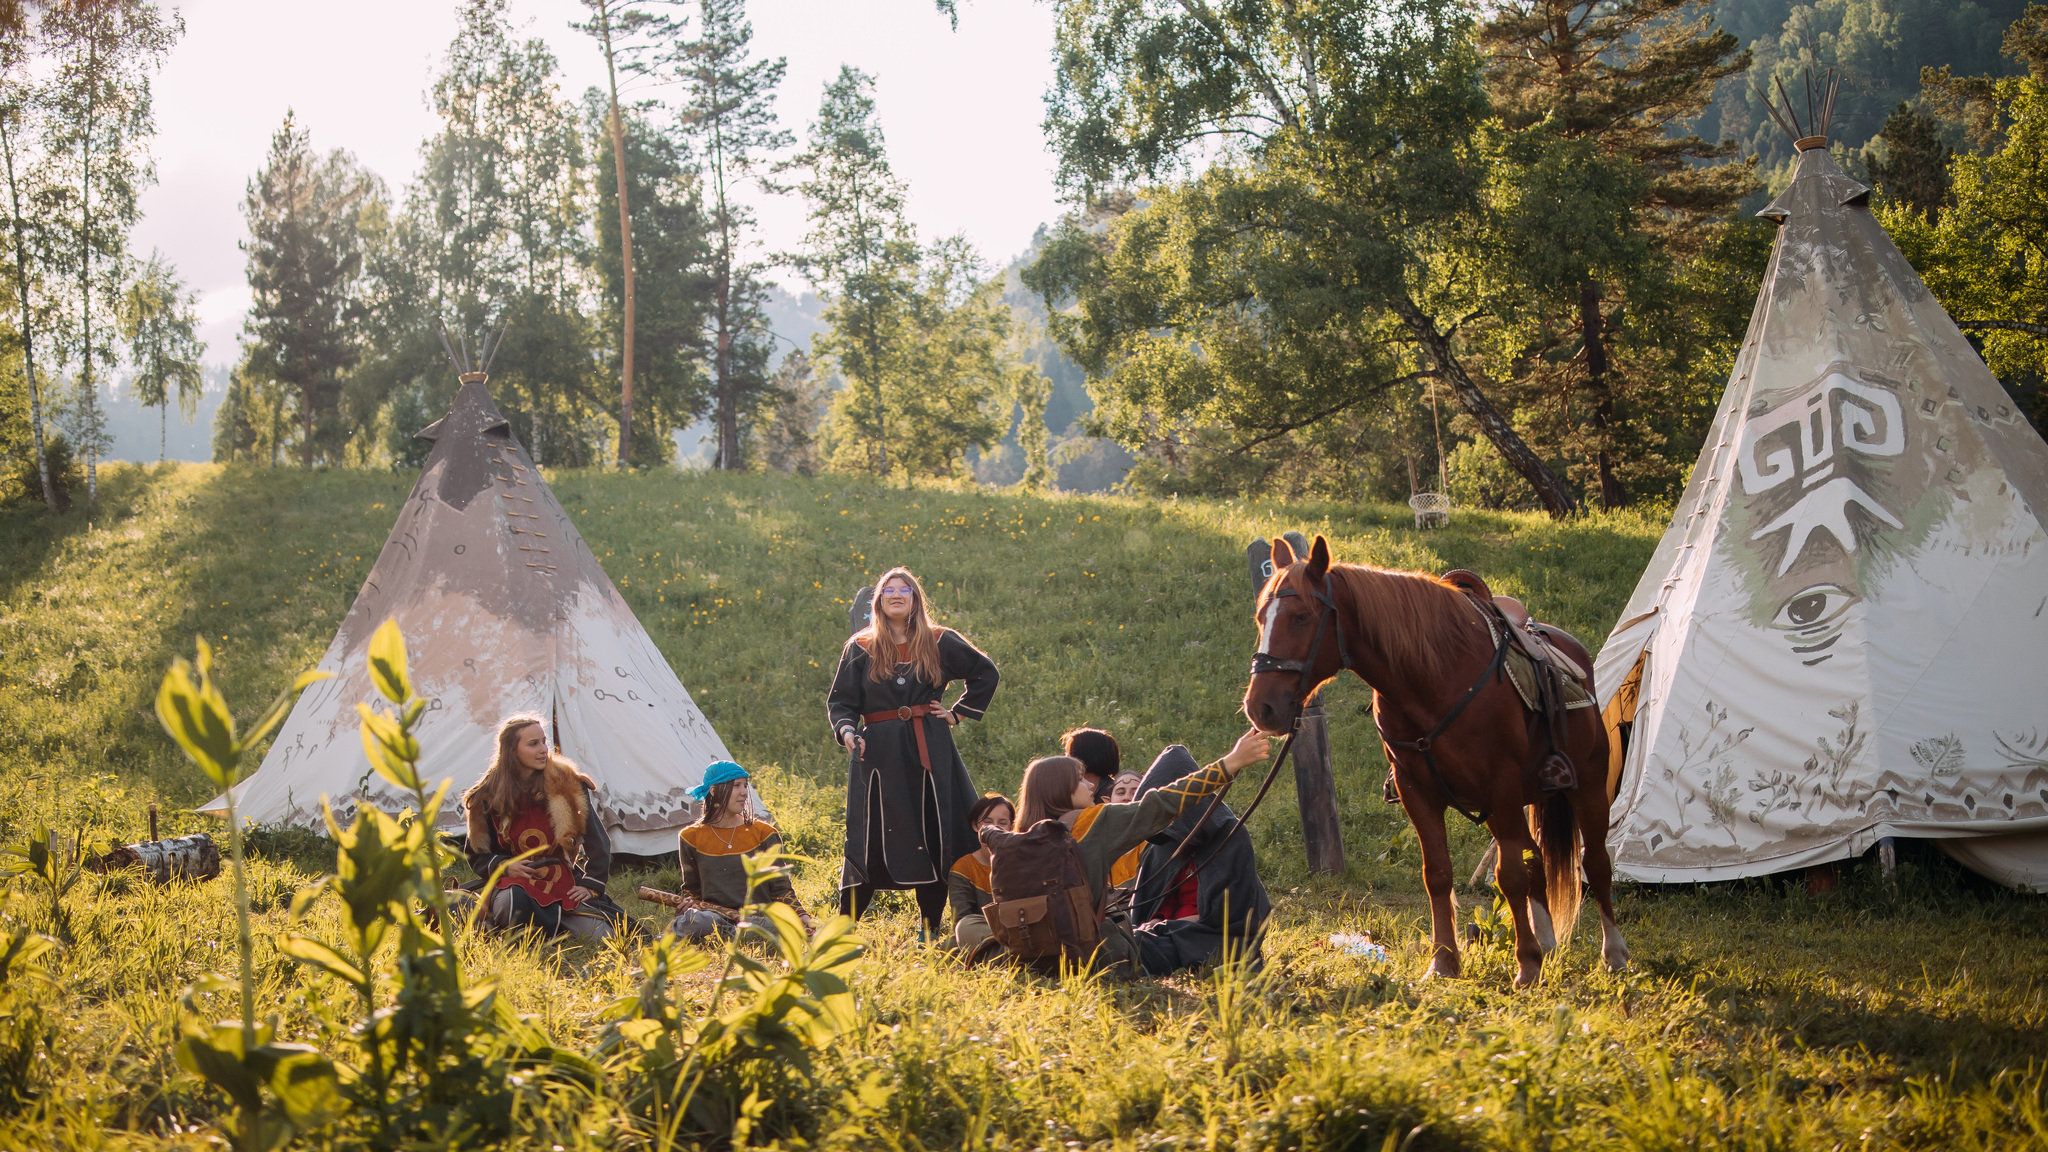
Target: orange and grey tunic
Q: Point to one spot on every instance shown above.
(967, 888)
(712, 871)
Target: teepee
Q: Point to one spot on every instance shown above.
(504, 610)
(1844, 633)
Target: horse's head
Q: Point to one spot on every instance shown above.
(1299, 643)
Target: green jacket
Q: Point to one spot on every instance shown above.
(1104, 833)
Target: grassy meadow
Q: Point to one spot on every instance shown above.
(1756, 1016)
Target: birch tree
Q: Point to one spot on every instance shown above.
(98, 126)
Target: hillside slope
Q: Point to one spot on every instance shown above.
(1130, 615)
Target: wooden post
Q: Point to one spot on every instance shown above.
(1315, 793)
(862, 611)
(1315, 781)
(1258, 556)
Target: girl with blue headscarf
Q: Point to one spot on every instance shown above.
(711, 851)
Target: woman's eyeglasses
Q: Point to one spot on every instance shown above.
(895, 593)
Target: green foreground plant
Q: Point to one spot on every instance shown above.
(442, 1056)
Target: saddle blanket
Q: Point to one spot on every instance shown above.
(1522, 673)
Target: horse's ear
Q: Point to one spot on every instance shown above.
(1283, 554)
(1318, 558)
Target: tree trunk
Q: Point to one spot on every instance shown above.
(1557, 499)
(163, 430)
(618, 129)
(28, 350)
(87, 394)
(1592, 329)
(728, 404)
(305, 399)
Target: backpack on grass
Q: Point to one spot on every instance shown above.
(1043, 911)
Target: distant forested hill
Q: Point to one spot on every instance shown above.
(1877, 46)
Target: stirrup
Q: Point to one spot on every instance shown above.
(1391, 791)
(1556, 773)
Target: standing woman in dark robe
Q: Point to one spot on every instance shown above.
(908, 794)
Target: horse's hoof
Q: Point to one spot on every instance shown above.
(1443, 970)
(1526, 976)
(1616, 963)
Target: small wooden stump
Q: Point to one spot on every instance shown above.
(194, 857)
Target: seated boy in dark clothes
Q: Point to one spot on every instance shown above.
(1182, 917)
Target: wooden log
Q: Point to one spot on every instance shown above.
(684, 902)
(1315, 793)
(194, 857)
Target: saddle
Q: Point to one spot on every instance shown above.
(1550, 682)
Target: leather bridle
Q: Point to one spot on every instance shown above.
(1266, 662)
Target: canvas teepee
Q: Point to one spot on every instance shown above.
(1844, 633)
(504, 609)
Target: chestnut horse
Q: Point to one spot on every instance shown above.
(1434, 663)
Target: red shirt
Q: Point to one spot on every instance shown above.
(1181, 895)
(530, 828)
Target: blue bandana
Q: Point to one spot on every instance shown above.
(718, 773)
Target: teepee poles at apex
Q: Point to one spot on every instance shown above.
(488, 346)
(1818, 120)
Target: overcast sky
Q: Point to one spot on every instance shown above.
(961, 111)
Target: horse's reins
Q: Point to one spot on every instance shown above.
(1265, 662)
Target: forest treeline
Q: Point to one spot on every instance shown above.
(1365, 248)
(613, 329)
(1354, 249)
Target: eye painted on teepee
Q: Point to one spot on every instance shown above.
(1814, 607)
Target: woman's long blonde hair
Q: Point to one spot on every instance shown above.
(921, 646)
(506, 783)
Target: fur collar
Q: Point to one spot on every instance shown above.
(567, 792)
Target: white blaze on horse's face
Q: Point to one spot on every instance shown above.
(1266, 626)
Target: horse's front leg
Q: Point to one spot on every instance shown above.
(1428, 819)
(1519, 874)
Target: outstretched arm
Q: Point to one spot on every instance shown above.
(1128, 825)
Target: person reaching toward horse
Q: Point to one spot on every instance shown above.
(1196, 891)
(1056, 789)
(532, 799)
(711, 853)
(907, 791)
(967, 883)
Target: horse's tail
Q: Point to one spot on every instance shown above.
(1558, 833)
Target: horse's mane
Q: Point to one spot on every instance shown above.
(1424, 624)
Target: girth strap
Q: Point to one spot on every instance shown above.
(1427, 744)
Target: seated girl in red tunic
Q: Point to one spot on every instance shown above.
(531, 798)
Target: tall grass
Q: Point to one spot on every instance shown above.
(1756, 1016)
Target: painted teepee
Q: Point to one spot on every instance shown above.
(1844, 633)
(504, 610)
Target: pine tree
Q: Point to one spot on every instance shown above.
(729, 113)
(862, 252)
(1913, 169)
(158, 321)
(1625, 77)
(305, 256)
